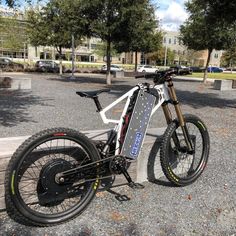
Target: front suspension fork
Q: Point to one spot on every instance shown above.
(180, 117)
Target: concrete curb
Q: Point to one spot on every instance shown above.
(145, 168)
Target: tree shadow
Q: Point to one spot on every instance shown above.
(205, 99)
(118, 87)
(206, 96)
(86, 80)
(14, 106)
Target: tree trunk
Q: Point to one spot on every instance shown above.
(207, 64)
(60, 53)
(136, 61)
(108, 74)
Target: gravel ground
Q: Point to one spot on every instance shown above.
(207, 207)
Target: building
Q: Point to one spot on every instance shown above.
(87, 51)
(183, 55)
(19, 50)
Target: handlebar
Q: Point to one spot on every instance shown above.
(159, 76)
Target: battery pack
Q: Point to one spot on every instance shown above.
(138, 125)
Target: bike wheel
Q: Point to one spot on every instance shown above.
(32, 194)
(179, 167)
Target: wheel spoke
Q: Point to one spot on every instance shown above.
(179, 166)
(41, 159)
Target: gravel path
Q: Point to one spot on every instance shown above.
(207, 207)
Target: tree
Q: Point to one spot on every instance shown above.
(139, 29)
(100, 50)
(191, 55)
(55, 23)
(220, 10)
(228, 58)
(13, 33)
(198, 32)
(110, 21)
(159, 56)
(104, 22)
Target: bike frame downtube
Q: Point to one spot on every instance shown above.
(164, 97)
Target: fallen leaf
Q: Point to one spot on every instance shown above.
(116, 216)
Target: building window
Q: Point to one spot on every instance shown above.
(84, 58)
(13, 54)
(93, 46)
(164, 40)
(175, 41)
(216, 55)
(169, 41)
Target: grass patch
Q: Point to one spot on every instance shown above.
(215, 75)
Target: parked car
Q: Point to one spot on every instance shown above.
(230, 69)
(6, 63)
(182, 70)
(196, 69)
(113, 68)
(48, 66)
(214, 69)
(147, 69)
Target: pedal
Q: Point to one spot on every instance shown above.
(135, 185)
(122, 198)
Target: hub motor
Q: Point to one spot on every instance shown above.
(48, 188)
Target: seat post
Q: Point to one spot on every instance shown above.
(97, 103)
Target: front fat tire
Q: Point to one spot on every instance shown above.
(164, 151)
(18, 210)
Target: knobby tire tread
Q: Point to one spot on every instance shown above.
(12, 210)
(163, 155)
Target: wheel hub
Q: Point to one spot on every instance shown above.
(48, 188)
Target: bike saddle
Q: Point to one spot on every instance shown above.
(91, 94)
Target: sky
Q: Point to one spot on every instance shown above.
(171, 13)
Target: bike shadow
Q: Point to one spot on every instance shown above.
(154, 171)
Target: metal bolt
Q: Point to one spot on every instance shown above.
(62, 180)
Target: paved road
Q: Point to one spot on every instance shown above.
(207, 207)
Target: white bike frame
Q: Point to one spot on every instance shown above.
(163, 93)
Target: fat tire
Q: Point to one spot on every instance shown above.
(19, 213)
(164, 159)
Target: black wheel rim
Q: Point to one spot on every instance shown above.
(29, 172)
(182, 165)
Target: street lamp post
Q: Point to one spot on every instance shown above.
(24, 54)
(165, 54)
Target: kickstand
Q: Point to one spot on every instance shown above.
(131, 184)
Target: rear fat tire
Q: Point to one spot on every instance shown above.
(164, 151)
(16, 208)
